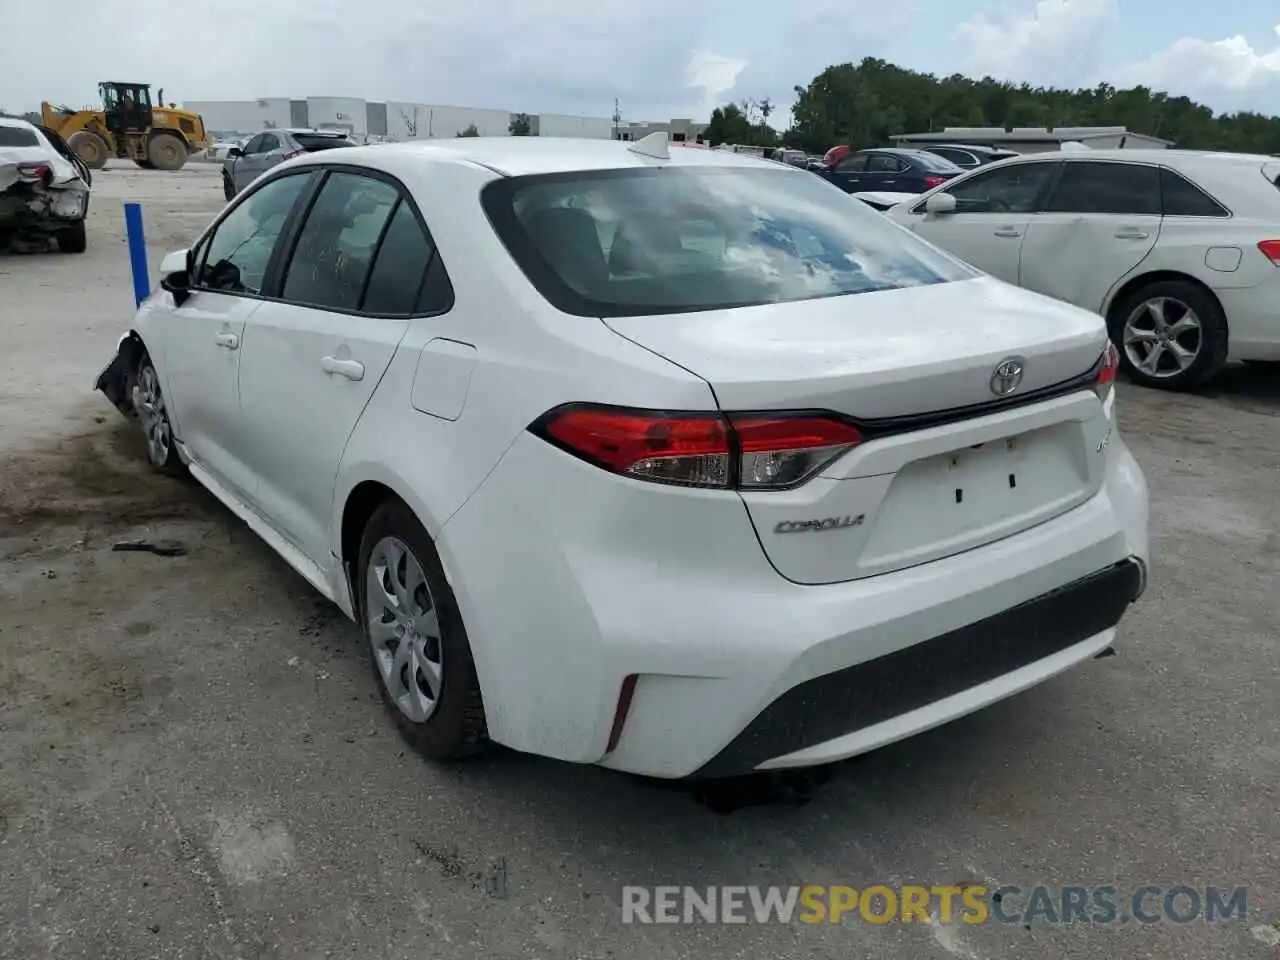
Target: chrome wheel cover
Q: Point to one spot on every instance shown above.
(404, 629)
(1162, 337)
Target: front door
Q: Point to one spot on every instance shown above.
(204, 340)
(1100, 221)
(312, 362)
(993, 211)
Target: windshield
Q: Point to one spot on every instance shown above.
(931, 161)
(18, 137)
(682, 239)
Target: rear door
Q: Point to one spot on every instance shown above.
(313, 357)
(993, 211)
(884, 172)
(1100, 221)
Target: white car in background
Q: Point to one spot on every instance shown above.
(1178, 250)
(44, 187)
(675, 461)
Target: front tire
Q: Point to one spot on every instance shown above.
(1171, 334)
(166, 152)
(418, 648)
(228, 187)
(153, 416)
(90, 148)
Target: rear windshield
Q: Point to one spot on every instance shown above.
(931, 161)
(311, 142)
(680, 239)
(18, 137)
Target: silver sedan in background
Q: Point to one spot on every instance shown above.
(245, 164)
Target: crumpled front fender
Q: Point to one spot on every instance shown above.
(114, 380)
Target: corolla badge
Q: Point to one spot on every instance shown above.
(815, 526)
(1007, 376)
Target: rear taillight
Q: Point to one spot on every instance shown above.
(1271, 250)
(931, 181)
(1107, 374)
(33, 172)
(739, 451)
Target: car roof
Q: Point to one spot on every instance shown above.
(1168, 158)
(17, 122)
(525, 156)
(976, 147)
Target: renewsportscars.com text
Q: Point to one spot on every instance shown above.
(971, 904)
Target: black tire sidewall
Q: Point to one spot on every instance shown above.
(1213, 332)
(456, 727)
(228, 189)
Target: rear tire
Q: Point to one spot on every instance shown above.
(418, 648)
(1171, 334)
(73, 239)
(153, 416)
(166, 152)
(90, 148)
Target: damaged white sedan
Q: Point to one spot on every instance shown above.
(44, 187)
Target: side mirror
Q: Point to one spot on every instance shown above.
(940, 203)
(234, 152)
(175, 275)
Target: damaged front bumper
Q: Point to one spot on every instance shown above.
(114, 380)
(39, 207)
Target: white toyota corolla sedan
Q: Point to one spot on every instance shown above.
(680, 462)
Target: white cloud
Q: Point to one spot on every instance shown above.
(1192, 64)
(715, 75)
(1048, 43)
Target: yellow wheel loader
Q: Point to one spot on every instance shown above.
(155, 137)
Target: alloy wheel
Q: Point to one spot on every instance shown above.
(1162, 337)
(404, 629)
(148, 401)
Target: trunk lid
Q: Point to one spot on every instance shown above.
(933, 477)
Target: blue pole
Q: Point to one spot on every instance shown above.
(137, 252)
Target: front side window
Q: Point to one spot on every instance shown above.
(1015, 189)
(853, 164)
(269, 142)
(255, 144)
(238, 252)
(336, 245)
(682, 239)
(1092, 186)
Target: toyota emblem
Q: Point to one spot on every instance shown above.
(1007, 376)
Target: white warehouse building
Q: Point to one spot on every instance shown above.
(408, 121)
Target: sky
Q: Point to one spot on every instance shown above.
(658, 58)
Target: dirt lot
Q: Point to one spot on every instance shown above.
(193, 761)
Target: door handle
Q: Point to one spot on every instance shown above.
(1008, 232)
(228, 340)
(351, 369)
(1131, 233)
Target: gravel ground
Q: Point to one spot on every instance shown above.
(194, 762)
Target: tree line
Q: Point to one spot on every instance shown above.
(865, 104)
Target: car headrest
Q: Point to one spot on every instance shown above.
(569, 241)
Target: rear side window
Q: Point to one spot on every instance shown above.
(1096, 187)
(1182, 198)
(336, 245)
(400, 268)
(884, 163)
(935, 163)
(312, 142)
(853, 164)
(18, 137)
(645, 241)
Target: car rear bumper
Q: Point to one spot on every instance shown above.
(1253, 319)
(603, 585)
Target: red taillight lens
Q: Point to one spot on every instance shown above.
(930, 182)
(748, 451)
(1271, 250)
(1110, 368)
(33, 172)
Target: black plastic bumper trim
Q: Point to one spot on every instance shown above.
(868, 693)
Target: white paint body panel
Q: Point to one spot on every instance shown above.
(1087, 260)
(570, 578)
